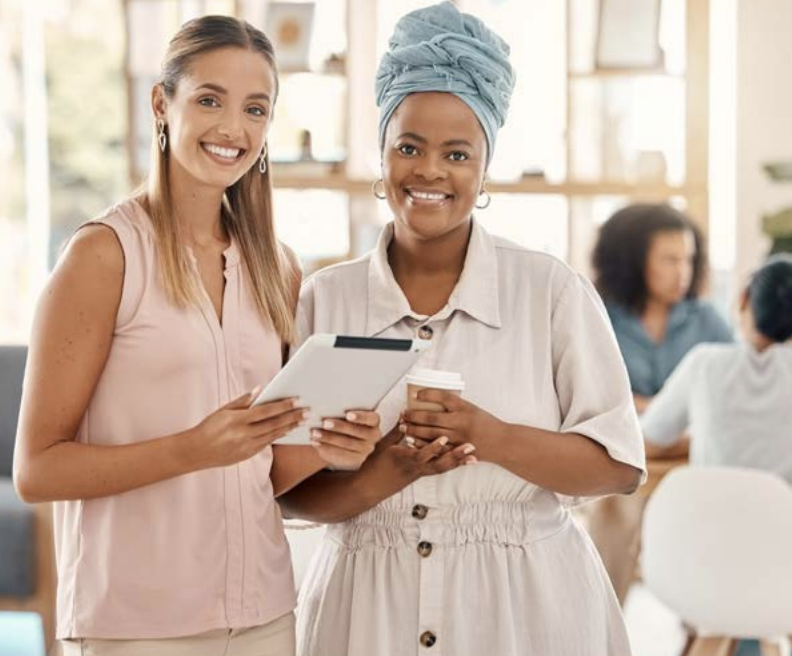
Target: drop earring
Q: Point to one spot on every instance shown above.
(162, 138)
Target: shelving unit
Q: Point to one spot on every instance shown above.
(301, 193)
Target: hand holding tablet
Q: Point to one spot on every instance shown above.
(332, 374)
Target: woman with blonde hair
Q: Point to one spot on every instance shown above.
(158, 321)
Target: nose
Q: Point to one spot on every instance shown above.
(430, 167)
(230, 127)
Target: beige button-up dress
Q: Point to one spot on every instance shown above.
(476, 561)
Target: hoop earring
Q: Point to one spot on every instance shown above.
(381, 195)
(263, 160)
(487, 201)
(162, 137)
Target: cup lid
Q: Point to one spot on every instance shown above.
(435, 378)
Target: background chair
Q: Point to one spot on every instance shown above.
(717, 550)
(27, 561)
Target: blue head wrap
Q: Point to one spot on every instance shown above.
(440, 49)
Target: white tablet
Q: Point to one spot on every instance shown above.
(332, 374)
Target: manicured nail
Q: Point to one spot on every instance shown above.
(351, 416)
(296, 402)
(327, 424)
(316, 434)
(468, 448)
(443, 440)
(255, 391)
(471, 460)
(403, 428)
(410, 441)
(305, 414)
(414, 395)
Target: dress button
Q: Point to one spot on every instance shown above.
(419, 511)
(425, 332)
(428, 638)
(425, 549)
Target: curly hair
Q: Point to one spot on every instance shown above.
(619, 257)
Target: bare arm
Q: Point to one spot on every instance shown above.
(678, 449)
(70, 342)
(330, 497)
(641, 403)
(567, 463)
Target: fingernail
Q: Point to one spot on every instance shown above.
(414, 395)
(305, 414)
(316, 434)
(443, 440)
(409, 440)
(471, 460)
(255, 391)
(403, 428)
(468, 448)
(351, 416)
(296, 402)
(327, 424)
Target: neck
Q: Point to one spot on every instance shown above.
(197, 208)
(441, 256)
(655, 308)
(759, 342)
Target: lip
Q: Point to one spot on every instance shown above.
(220, 159)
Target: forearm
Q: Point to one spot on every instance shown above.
(71, 470)
(331, 497)
(293, 464)
(567, 463)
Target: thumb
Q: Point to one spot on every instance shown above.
(245, 400)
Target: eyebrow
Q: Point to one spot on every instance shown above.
(445, 144)
(217, 88)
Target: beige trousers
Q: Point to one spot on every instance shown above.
(273, 639)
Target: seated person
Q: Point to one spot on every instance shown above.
(734, 398)
(650, 266)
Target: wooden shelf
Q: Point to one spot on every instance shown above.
(526, 186)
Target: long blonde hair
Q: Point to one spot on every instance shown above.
(246, 212)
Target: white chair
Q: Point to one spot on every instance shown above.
(717, 550)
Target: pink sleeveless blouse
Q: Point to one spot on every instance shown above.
(195, 553)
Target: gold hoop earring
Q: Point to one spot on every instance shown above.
(162, 137)
(263, 160)
(381, 195)
(487, 201)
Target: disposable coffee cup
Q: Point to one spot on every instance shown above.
(419, 379)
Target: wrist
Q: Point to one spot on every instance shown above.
(181, 453)
(493, 448)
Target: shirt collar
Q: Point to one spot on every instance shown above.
(476, 293)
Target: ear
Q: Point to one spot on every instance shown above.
(744, 300)
(159, 103)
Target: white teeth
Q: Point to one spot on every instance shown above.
(228, 153)
(427, 195)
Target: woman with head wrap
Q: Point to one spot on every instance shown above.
(423, 554)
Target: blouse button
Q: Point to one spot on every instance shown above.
(425, 549)
(425, 332)
(420, 511)
(428, 638)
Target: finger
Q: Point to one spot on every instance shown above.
(432, 451)
(428, 418)
(363, 417)
(292, 419)
(323, 437)
(245, 400)
(452, 460)
(358, 431)
(449, 400)
(428, 433)
(274, 409)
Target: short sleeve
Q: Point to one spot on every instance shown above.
(668, 414)
(591, 380)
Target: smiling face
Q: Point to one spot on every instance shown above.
(433, 164)
(218, 116)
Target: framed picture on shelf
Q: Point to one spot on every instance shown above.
(628, 35)
(289, 25)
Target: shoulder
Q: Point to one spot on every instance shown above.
(711, 322)
(340, 276)
(94, 249)
(538, 267)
